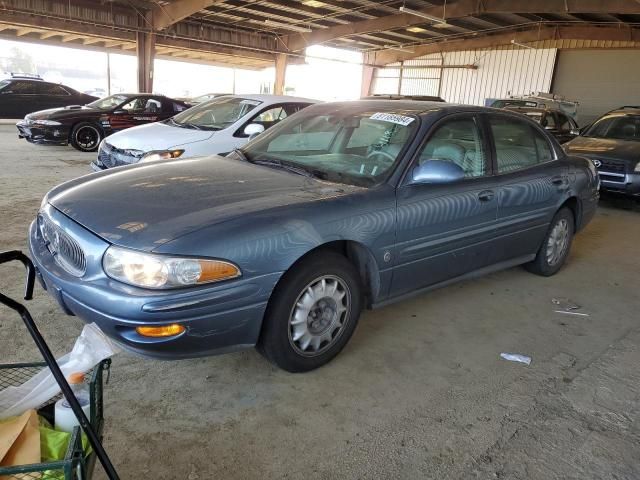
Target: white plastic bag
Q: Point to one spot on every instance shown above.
(516, 357)
(91, 347)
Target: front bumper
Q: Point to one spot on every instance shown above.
(620, 183)
(43, 134)
(218, 318)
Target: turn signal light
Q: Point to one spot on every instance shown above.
(161, 331)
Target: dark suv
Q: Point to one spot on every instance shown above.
(20, 95)
(613, 144)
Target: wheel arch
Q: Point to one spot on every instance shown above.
(574, 205)
(360, 257)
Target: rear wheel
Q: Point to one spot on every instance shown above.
(86, 137)
(312, 313)
(556, 245)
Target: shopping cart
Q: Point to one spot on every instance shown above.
(74, 466)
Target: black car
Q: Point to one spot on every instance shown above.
(20, 95)
(84, 127)
(560, 125)
(613, 144)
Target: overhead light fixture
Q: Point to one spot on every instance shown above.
(287, 26)
(410, 11)
(522, 45)
(313, 3)
(416, 29)
(398, 48)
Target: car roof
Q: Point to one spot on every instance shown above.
(263, 97)
(515, 108)
(414, 106)
(627, 109)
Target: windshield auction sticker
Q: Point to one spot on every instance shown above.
(392, 118)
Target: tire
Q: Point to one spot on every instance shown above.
(86, 137)
(307, 308)
(550, 258)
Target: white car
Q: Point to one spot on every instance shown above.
(215, 127)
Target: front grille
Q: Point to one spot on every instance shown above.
(65, 250)
(110, 156)
(612, 166)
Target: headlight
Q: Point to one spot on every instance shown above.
(46, 122)
(160, 271)
(161, 155)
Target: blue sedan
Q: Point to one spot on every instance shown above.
(280, 245)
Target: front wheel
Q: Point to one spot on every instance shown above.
(556, 245)
(86, 137)
(312, 313)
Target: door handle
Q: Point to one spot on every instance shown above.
(485, 195)
(559, 180)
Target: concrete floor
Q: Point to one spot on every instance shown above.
(420, 391)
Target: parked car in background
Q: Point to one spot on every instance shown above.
(538, 100)
(192, 101)
(613, 144)
(215, 127)
(282, 243)
(84, 127)
(23, 94)
(561, 126)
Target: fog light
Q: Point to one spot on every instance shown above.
(161, 331)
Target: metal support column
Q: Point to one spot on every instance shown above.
(281, 71)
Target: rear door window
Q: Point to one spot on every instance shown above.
(51, 89)
(518, 144)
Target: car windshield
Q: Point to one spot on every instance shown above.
(4, 83)
(109, 102)
(217, 114)
(356, 148)
(621, 127)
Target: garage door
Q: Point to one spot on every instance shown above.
(600, 80)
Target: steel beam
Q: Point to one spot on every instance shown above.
(385, 57)
(281, 73)
(459, 9)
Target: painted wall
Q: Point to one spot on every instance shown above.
(502, 72)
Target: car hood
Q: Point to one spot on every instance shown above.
(157, 136)
(146, 206)
(626, 150)
(71, 111)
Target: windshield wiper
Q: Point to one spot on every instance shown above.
(285, 166)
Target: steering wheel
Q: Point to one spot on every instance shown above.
(381, 153)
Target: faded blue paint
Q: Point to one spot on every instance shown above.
(264, 220)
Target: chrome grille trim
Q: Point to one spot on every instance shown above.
(65, 250)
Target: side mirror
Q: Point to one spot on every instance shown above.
(548, 127)
(120, 112)
(437, 172)
(575, 131)
(253, 130)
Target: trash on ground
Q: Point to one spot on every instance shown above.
(567, 307)
(572, 313)
(516, 357)
(91, 347)
(565, 304)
